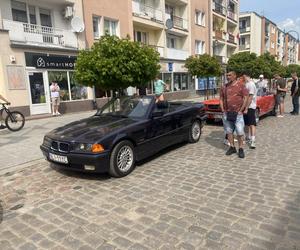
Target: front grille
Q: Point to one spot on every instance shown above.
(213, 106)
(60, 146)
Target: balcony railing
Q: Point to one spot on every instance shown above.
(177, 54)
(219, 8)
(178, 22)
(219, 34)
(245, 29)
(32, 34)
(147, 11)
(232, 15)
(231, 39)
(244, 47)
(159, 49)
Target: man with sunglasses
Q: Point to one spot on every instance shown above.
(233, 101)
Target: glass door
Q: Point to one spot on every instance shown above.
(39, 95)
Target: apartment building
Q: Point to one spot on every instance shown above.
(39, 43)
(225, 28)
(260, 35)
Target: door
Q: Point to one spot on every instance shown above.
(38, 92)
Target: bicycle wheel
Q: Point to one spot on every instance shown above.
(14, 121)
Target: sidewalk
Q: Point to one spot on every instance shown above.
(23, 146)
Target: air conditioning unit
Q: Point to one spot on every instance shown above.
(68, 12)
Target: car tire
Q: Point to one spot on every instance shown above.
(122, 159)
(195, 132)
(257, 116)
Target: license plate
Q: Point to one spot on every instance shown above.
(58, 158)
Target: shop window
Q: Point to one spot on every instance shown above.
(19, 12)
(180, 81)
(78, 91)
(61, 78)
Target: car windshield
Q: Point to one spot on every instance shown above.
(126, 106)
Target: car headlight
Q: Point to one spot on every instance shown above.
(88, 147)
(47, 141)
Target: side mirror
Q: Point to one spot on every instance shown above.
(157, 113)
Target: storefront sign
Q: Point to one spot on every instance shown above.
(43, 61)
(170, 67)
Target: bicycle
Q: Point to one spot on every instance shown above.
(14, 120)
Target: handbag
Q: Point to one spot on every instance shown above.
(231, 116)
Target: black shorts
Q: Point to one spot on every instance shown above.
(249, 118)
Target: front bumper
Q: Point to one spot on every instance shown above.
(211, 115)
(78, 161)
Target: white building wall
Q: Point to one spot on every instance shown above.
(256, 34)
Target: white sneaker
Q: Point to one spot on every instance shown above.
(252, 145)
(280, 116)
(226, 142)
(57, 113)
(53, 114)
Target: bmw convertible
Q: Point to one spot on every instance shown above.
(124, 131)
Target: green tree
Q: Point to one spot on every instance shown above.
(114, 63)
(270, 66)
(203, 66)
(292, 68)
(244, 62)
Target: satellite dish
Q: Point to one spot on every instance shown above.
(77, 24)
(169, 24)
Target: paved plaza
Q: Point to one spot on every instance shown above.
(191, 196)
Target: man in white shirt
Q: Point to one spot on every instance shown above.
(249, 113)
(55, 98)
(262, 84)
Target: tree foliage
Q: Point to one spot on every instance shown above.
(292, 68)
(244, 63)
(270, 66)
(114, 63)
(203, 66)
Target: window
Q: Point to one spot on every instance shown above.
(141, 37)
(199, 47)
(169, 10)
(32, 15)
(200, 18)
(242, 41)
(96, 27)
(243, 24)
(77, 91)
(171, 42)
(45, 16)
(110, 27)
(19, 12)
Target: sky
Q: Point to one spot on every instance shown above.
(285, 13)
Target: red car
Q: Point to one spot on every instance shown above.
(265, 103)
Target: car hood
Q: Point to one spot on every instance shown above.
(90, 129)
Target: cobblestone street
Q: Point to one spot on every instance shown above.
(190, 197)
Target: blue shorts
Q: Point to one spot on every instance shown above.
(237, 127)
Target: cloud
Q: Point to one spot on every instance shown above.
(291, 24)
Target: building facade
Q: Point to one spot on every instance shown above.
(39, 43)
(260, 35)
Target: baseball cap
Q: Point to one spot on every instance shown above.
(261, 76)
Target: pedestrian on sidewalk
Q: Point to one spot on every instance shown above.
(2, 126)
(55, 98)
(233, 101)
(249, 112)
(281, 90)
(295, 93)
(159, 87)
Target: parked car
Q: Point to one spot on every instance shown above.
(265, 105)
(124, 131)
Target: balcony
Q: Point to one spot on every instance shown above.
(41, 36)
(245, 29)
(159, 49)
(177, 54)
(232, 15)
(219, 35)
(244, 47)
(178, 22)
(219, 8)
(231, 39)
(147, 11)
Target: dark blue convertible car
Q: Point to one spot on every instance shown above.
(124, 131)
